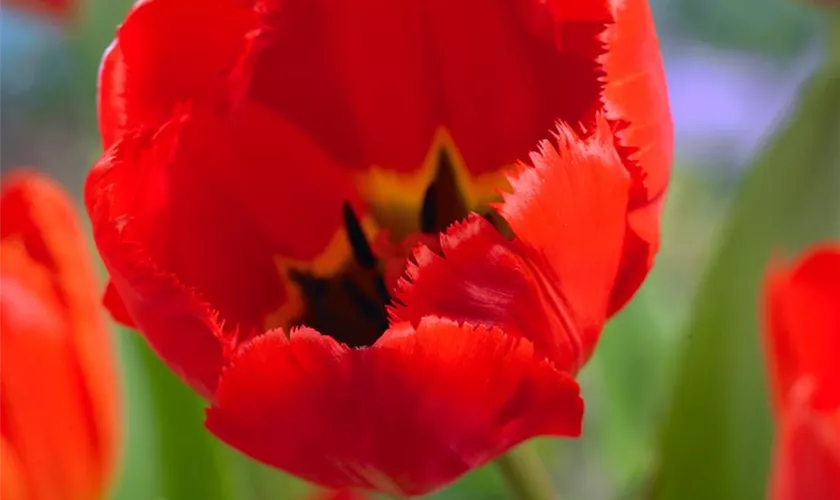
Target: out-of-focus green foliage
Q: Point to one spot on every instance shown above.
(93, 30)
(772, 27)
(627, 381)
(135, 478)
(716, 440)
(168, 453)
(631, 364)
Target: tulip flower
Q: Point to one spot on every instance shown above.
(803, 341)
(58, 393)
(300, 210)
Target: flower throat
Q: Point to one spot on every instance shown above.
(351, 306)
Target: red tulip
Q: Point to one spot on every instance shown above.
(803, 339)
(56, 9)
(328, 164)
(58, 394)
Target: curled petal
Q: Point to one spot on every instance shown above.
(406, 416)
(553, 282)
(568, 211)
(635, 99)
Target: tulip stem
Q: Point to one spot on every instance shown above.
(525, 475)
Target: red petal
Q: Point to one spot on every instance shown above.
(50, 427)
(635, 94)
(200, 213)
(641, 243)
(168, 52)
(62, 435)
(114, 304)
(803, 333)
(553, 282)
(376, 78)
(376, 81)
(807, 456)
(125, 195)
(635, 97)
(14, 482)
(406, 416)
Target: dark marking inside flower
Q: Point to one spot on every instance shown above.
(443, 203)
(351, 306)
(499, 222)
(362, 253)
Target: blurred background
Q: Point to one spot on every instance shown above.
(735, 71)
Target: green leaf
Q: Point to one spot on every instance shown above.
(136, 480)
(718, 433)
(628, 374)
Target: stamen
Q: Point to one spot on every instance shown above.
(498, 222)
(443, 203)
(362, 252)
(351, 305)
(346, 307)
(373, 310)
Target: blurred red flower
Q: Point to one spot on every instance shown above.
(338, 165)
(59, 10)
(803, 340)
(58, 393)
